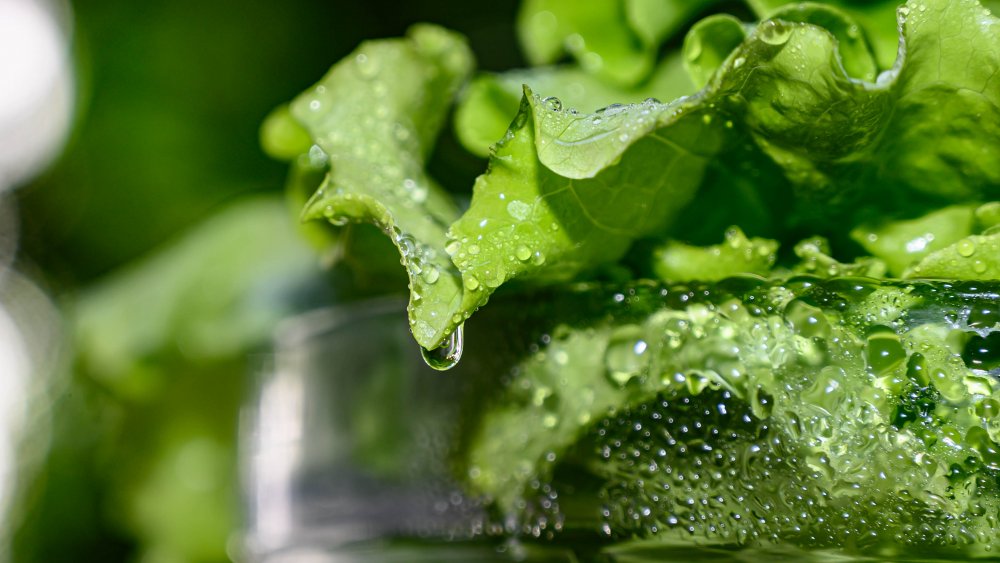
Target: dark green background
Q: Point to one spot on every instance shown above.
(171, 97)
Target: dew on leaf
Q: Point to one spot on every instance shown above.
(448, 354)
(774, 32)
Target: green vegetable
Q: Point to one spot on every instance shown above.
(144, 437)
(810, 148)
(751, 412)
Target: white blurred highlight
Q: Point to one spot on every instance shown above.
(36, 103)
(36, 86)
(275, 442)
(31, 355)
(14, 369)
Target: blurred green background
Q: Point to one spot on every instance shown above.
(162, 234)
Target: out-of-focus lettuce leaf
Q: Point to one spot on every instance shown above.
(597, 34)
(149, 424)
(213, 294)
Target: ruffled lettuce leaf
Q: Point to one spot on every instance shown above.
(875, 22)
(816, 259)
(831, 135)
(567, 191)
(736, 255)
(377, 137)
(491, 100)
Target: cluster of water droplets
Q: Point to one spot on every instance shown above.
(841, 413)
(619, 123)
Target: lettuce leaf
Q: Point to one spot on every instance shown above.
(491, 100)
(802, 128)
(377, 157)
(808, 411)
(616, 41)
(567, 191)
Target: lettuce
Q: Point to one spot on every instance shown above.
(835, 140)
(566, 191)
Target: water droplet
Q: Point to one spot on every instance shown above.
(988, 409)
(553, 103)
(738, 62)
(474, 249)
(472, 282)
(983, 352)
(774, 32)
(522, 253)
(807, 320)
(624, 357)
(884, 352)
(315, 105)
(518, 210)
(431, 275)
(706, 119)
(966, 247)
(448, 354)
(365, 65)
(317, 157)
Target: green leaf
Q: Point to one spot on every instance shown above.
(657, 20)
(975, 257)
(378, 137)
(677, 262)
(902, 243)
(817, 260)
(582, 202)
(492, 100)
(852, 48)
(282, 137)
(988, 215)
(214, 293)
(877, 19)
(924, 132)
(567, 191)
(709, 43)
(854, 393)
(597, 34)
